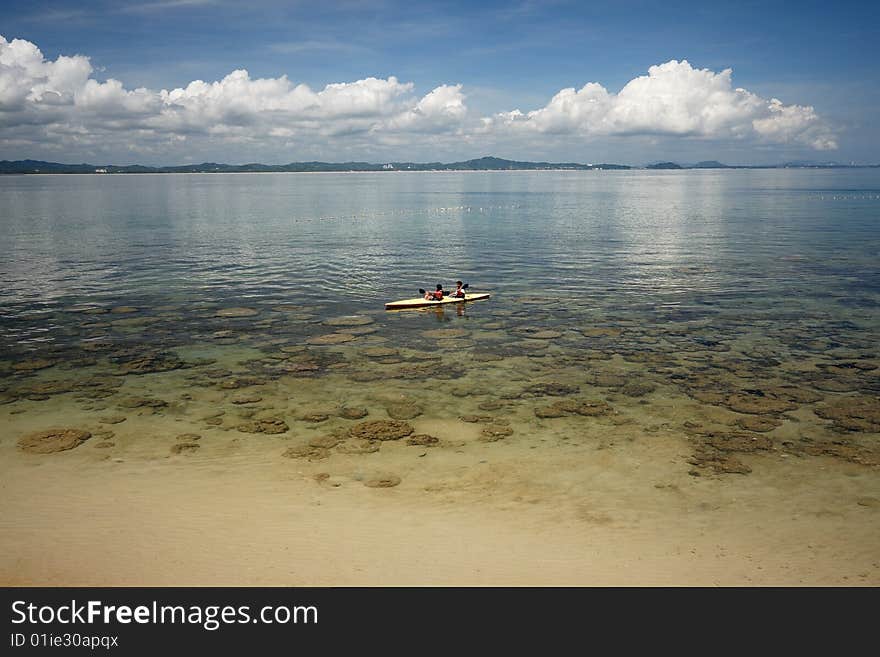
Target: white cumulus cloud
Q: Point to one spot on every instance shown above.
(61, 101)
(60, 105)
(674, 99)
(441, 109)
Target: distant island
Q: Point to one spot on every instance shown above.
(664, 165)
(479, 164)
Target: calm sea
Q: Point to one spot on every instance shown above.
(778, 241)
(756, 291)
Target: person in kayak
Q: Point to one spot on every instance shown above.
(458, 292)
(437, 295)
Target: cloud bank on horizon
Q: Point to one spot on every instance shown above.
(61, 107)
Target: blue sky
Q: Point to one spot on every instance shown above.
(505, 56)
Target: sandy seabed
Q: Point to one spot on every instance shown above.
(615, 507)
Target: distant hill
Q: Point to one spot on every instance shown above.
(498, 164)
(710, 164)
(37, 166)
(664, 165)
(479, 164)
(488, 163)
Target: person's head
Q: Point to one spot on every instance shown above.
(439, 287)
(458, 283)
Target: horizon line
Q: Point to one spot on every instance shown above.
(433, 165)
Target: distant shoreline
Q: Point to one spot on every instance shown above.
(39, 167)
(423, 171)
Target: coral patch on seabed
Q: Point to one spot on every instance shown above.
(331, 338)
(422, 440)
(149, 363)
(33, 364)
(550, 390)
(588, 408)
(715, 449)
(758, 403)
(758, 423)
(246, 399)
(379, 352)
(637, 388)
(381, 430)
(52, 440)
(306, 452)
(141, 402)
(267, 425)
(476, 418)
(853, 413)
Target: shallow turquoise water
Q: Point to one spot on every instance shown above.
(691, 300)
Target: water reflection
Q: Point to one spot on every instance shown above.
(618, 241)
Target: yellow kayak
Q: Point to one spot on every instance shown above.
(421, 302)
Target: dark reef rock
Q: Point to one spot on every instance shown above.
(267, 425)
(381, 430)
(860, 413)
(587, 408)
(423, 440)
(758, 423)
(306, 452)
(757, 402)
(148, 363)
(550, 390)
(52, 440)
